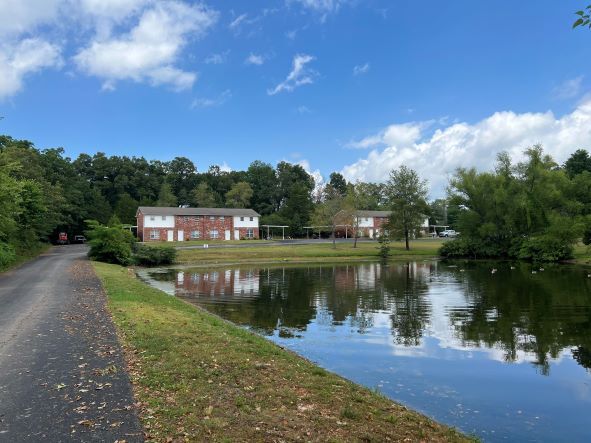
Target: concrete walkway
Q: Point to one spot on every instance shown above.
(62, 373)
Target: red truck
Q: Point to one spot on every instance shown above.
(62, 238)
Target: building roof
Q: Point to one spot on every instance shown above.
(374, 213)
(226, 212)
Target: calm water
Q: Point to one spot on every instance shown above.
(505, 356)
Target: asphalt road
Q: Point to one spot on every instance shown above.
(62, 375)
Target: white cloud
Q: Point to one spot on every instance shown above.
(321, 5)
(299, 75)
(235, 24)
(397, 135)
(318, 178)
(361, 69)
(212, 102)
(150, 50)
(435, 157)
(21, 16)
(255, 59)
(22, 59)
(304, 110)
(569, 89)
(217, 59)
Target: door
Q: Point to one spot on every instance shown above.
(181, 236)
(236, 234)
(371, 233)
(227, 234)
(170, 236)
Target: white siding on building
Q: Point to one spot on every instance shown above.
(366, 222)
(158, 221)
(246, 223)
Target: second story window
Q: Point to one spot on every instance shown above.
(164, 218)
(251, 218)
(212, 217)
(241, 218)
(222, 218)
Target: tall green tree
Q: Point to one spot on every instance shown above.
(578, 162)
(406, 195)
(239, 196)
(263, 180)
(203, 196)
(166, 197)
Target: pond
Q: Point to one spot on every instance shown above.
(503, 355)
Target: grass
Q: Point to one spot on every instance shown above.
(309, 252)
(200, 378)
(582, 254)
(203, 242)
(23, 256)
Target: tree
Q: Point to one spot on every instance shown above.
(166, 198)
(406, 195)
(263, 181)
(578, 162)
(111, 243)
(203, 196)
(126, 208)
(337, 183)
(332, 212)
(239, 196)
(584, 18)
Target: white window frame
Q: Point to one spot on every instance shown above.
(152, 218)
(251, 218)
(222, 218)
(212, 217)
(195, 235)
(154, 234)
(214, 234)
(250, 233)
(241, 218)
(164, 218)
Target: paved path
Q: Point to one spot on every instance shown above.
(62, 374)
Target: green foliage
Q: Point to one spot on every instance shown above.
(154, 255)
(7, 255)
(577, 163)
(239, 196)
(384, 246)
(203, 196)
(519, 211)
(110, 244)
(407, 198)
(583, 18)
(166, 197)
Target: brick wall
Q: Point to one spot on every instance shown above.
(140, 227)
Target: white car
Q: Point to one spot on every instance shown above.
(448, 233)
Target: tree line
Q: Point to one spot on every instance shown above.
(517, 210)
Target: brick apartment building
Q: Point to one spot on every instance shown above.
(182, 224)
(371, 224)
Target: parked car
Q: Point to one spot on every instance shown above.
(448, 233)
(79, 239)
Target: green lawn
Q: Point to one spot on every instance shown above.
(200, 378)
(311, 252)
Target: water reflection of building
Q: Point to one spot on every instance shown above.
(218, 282)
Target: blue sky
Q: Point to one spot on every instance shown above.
(357, 86)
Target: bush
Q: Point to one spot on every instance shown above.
(470, 248)
(154, 255)
(384, 248)
(587, 236)
(545, 248)
(110, 244)
(7, 255)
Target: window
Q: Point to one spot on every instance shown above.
(250, 233)
(195, 234)
(211, 217)
(222, 218)
(214, 234)
(152, 218)
(154, 234)
(164, 217)
(186, 218)
(241, 218)
(251, 218)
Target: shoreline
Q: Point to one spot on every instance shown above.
(254, 390)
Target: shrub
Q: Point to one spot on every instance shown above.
(7, 255)
(545, 248)
(154, 255)
(110, 244)
(384, 248)
(587, 236)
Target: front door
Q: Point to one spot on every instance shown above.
(181, 236)
(170, 236)
(371, 233)
(236, 234)
(227, 234)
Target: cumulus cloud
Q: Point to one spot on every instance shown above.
(22, 59)
(569, 89)
(20, 16)
(361, 69)
(300, 75)
(436, 156)
(149, 51)
(212, 102)
(255, 59)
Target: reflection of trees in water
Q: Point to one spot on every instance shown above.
(517, 311)
(404, 289)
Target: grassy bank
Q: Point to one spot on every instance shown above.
(582, 254)
(200, 378)
(309, 252)
(24, 255)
